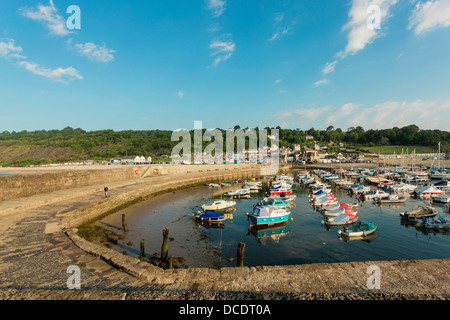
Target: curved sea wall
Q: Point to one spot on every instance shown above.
(44, 230)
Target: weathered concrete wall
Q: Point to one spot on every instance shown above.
(24, 185)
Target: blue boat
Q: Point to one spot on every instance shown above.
(211, 216)
(268, 215)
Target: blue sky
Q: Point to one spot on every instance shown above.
(165, 64)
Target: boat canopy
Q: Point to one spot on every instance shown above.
(262, 211)
(212, 214)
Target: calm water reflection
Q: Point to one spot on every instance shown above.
(302, 240)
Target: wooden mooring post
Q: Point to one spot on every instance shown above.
(124, 223)
(142, 249)
(165, 245)
(240, 254)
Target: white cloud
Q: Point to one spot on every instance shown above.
(59, 74)
(321, 82)
(359, 34)
(48, 15)
(180, 94)
(310, 113)
(343, 111)
(430, 15)
(217, 7)
(222, 49)
(95, 52)
(9, 50)
(329, 67)
(278, 80)
(389, 114)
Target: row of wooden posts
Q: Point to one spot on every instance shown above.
(165, 247)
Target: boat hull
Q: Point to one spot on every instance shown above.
(269, 220)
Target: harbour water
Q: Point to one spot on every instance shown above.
(302, 240)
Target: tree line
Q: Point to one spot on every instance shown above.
(79, 144)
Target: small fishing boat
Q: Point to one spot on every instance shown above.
(216, 204)
(376, 194)
(442, 185)
(210, 216)
(341, 220)
(325, 201)
(403, 187)
(441, 199)
(213, 185)
(285, 197)
(390, 199)
(419, 214)
(438, 222)
(359, 229)
(335, 207)
(238, 193)
(337, 212)
(280, 189)
(268, 215)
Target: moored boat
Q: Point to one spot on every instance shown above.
(359, 229)
(216, 204)
(210, 216)
(340, 220)
(419, 214)
(268, 215)
(390, 199)
(438, 222)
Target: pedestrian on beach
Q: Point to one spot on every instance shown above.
(106, 191)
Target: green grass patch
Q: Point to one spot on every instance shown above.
(398, 149)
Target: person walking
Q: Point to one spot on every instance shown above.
(106, 191)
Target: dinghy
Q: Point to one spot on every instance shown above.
(359, 229)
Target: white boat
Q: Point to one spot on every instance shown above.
(390, 199)
(437, 174)
(213, 185)
(338, 212)
(340, 220)
(402, 187)
(375, 194)
(441, 199)
(216, 205)
(442, 185)
(325, 201)
(238, 193)
(287, 197)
